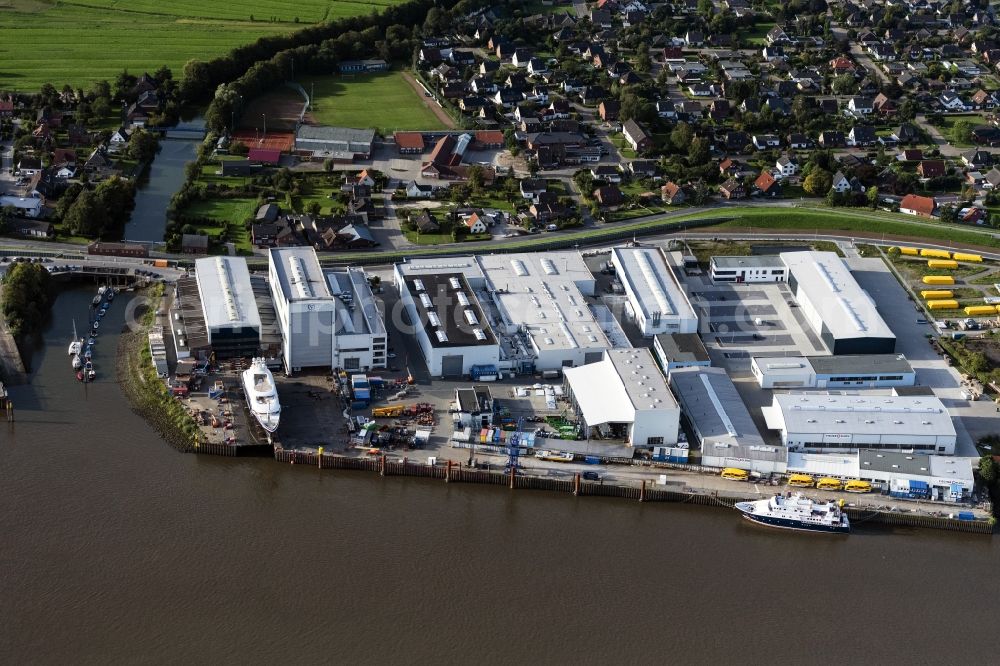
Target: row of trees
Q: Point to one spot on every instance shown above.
(98, 213)
(27, 297)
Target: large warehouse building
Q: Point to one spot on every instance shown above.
(721, 422)
(305, 308)
(835, 306)
(531, 311)
(865, 371)
(232, 321)
(624, 397)
(823, 422)
(449, 323)
(656, 301)
(326, 320)
(359, 342)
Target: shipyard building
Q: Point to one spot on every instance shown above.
(232, 322)
(656, 301)
(835, 306)
(844, 422)
(934, 477)
(866, 371)
(521, 313)
(721, 423)
(624, 397)
(327, 319)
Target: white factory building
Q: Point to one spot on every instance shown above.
(359, 342)
(755, 268)
(624, 397)
(949, 478)
(721, 423)
(839, 311)
(822, 372)
(836, 423)
(448, 321)
(531, 312)
(232, 321)
(326, 320)
(656, 301)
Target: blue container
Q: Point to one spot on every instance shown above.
(966, 515)
(592, 460)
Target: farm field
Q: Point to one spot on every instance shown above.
(381, 100)
(82, 41)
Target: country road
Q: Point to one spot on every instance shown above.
(943, 145)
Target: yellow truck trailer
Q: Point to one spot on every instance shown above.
(936, 293)
(963, 256)
(943, 304)
(942, 263)
(935, 254)
(980, 310)
(909, 251)
(938, 279)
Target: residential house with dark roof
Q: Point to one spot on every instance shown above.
(733, 189)
(636, 136)
(672, 193)
(609, 196)
(931, 169)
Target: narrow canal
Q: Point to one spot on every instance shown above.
(166, 175)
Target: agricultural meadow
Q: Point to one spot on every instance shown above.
(384, 101)
(82, 41)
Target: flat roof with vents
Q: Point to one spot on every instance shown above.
(545, 295)
(652, 284)
(846, 309)
(226, 293)
(300, 276)
(448, 320)
(614, 389)
(822, 413)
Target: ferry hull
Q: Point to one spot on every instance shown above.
(788, 524)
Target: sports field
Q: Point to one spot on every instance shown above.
(82, 41)
(384, 101)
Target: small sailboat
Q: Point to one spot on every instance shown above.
(88, 371)
(101, 290)
(92, 340)
(77, 363)
(97, 324)
(110, 294)
(80, 376)
(88, 354)
(74, 346)
(97, 301)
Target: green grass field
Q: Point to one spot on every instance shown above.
(82, 41)
(383, 100)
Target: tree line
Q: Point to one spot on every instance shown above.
(249, 71)
(27, 297)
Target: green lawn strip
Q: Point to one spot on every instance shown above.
(382, 100)
(70, 41)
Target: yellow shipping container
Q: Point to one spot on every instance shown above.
(936, 254)
(962, 256)
(944, 304)
(980, 310)
(910, 251)
(936, 293)
(942, 263)
(938, 279)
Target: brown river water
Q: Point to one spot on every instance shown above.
(116, 549)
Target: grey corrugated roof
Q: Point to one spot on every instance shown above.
(717, 414)
(868, 364)
(890, 461)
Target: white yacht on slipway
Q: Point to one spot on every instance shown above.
(262, 396)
